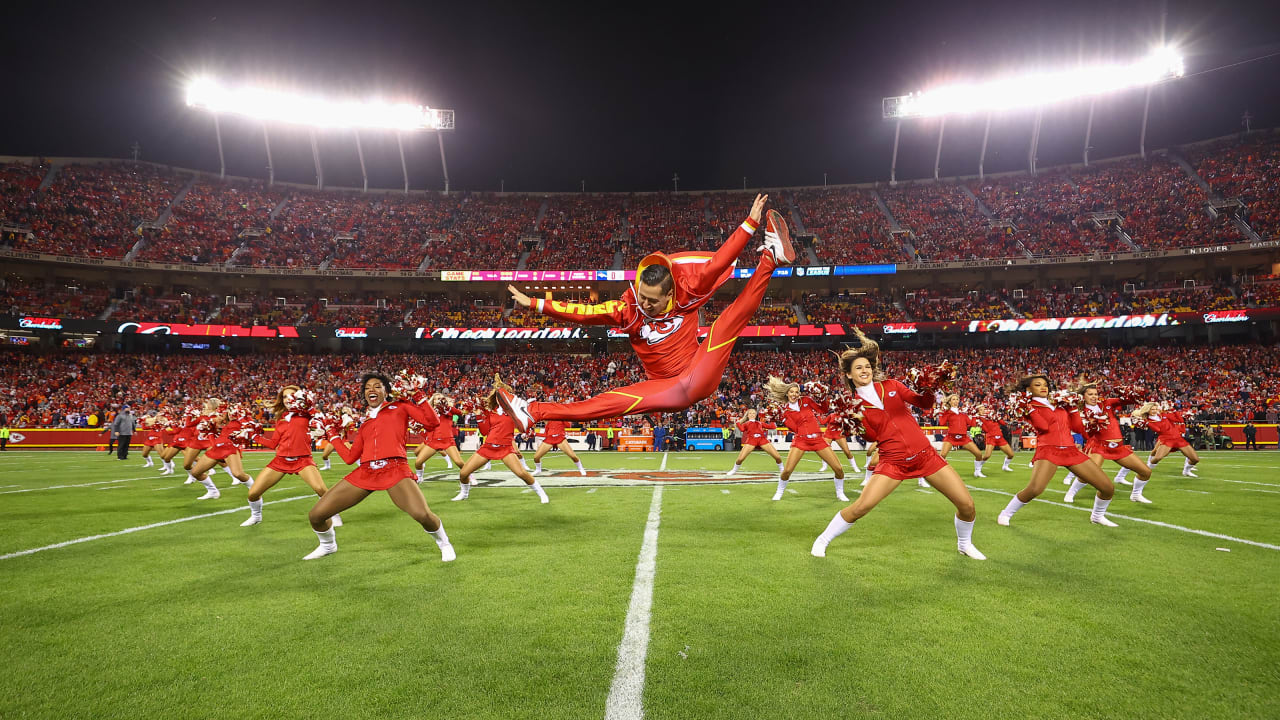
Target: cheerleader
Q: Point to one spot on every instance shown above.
(993, 436)
(1054, 419)
(224, 449)
(958, 423)
(553, 436)
(442, 439)
(379, 450)
(151, 438)
(1104, 440)
(880, 406)
(1171, 430)
(800, 414)
(292, 442)
(832, 432)
(499, 434)
(753, 436)
(168, 436)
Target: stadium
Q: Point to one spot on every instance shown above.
(1033, 290)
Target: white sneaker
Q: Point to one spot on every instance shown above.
(1103, 521)
(777, 495)
(1124, 482)
(536, 472)
(210, 495)
(921, 482)
(1006, 469)
(253, 520)
(321, 551)
(518, 409)
(1003, 519)
(1139, 498)
(971, 551)
(978, 473)
(462, 495)
(842, 497)
(447, 553)
(189, 480)
(582, 471)
(819, 548)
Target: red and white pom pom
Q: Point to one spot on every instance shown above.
(772, 413)
(816, 390)
(1066, 399)
(1020, 405)
(932, 379)
(300, 401)
(1095, 421)
(1127, 394)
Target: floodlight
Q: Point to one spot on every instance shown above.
(283, 107)
(1037, 89)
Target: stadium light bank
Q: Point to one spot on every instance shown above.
(316, 113)
(1033, 91)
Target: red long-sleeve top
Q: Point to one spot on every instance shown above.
(384, 433)
(292, 437)
(445, 430)
(1168, 425)
(1054, 425)
(665, 343)
(990, 428)
(894, 429)
(753, 430)
(802, 417)
(497, 428)
(1110, 433)
(957, 422)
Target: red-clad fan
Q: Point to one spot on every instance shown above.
(554, 437)
(379, 450)
(958, 422)
(754, 436)
(442, 439)
(1171, 430)
(833, 431)
(225, 449)
(800, 413)
(660, 315)
(499, 434)
(1054, 416)
(880, 406)
(1104, 440)
(292, 442)
(993, 436)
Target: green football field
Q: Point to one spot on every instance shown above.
(123, 596)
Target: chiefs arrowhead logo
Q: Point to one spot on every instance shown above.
(655, 331)
(893, 393)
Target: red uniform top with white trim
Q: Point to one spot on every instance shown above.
(554, 432)
(1054, 425)
(990, 428)
(753, 432)
(292, 437)
(957, 422)
(665, 343)
(224, 435)
(1169, 426)
(497, 428)
(385, 431)
(802, 417)
(893, 428)
(1111, 432)
(445, 431)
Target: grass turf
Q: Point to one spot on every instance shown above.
(208, 619)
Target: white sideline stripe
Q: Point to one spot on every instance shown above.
(1198, 492)
(1157, 523)
(121, 488)
(626, 694)
(1273, 492)
(926, 492)
(59, 487)
(8, 486)
(1245, 482)
(664, 462)
(140, 528)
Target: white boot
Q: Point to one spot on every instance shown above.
(581, 470)
(1121, 475)
(920, 482)
(464, 492)
(1067, 480)
(964, 540)
(1076, 485)
(255, 513)
(1099, 514)
(733, 470)
(1006, 515)
(837, 527)
(211, 490)
(542, 494)
(328, 545)
(782, 487)
(1136, 495)
(1006, 467)
(977, 468)
(839, 482)
(447, 553)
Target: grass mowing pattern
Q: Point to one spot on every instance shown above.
(208, 619)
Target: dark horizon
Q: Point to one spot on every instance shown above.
(548, 97)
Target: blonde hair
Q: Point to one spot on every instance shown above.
(866, 348)
(210, 405)
(1145, 410)
(947, 399)
(777, 389)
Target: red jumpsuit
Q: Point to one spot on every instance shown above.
(292, 443)
(681, 371)
(753, 432)
(905, 451)
(1108, 442)
(801, 419)
(499, 434)
(1054, 426)
(380, 445)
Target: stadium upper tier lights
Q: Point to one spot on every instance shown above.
(1036, 89)
(275, 106)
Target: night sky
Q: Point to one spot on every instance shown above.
(617, 95)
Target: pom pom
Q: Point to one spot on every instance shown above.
(1066, 399)
(816, 390)
(932, 379)
(1095, 421)
(301, 401)
(1020, 405)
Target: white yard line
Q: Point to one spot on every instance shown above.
(1246, 482)
(1198, 492)
(592, 490)
(140, 528)
(59, 487)
(1272, 492)
(626, 694)
(1157, 523)
(664, 462)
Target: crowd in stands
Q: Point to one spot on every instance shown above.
(934, 306)
(849, 227)
(770, 312)
(851, 308)
(27, 296)
(1247, 170)
(1223, 382)
(1261, 294)
(99, 210)
(578, 232)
